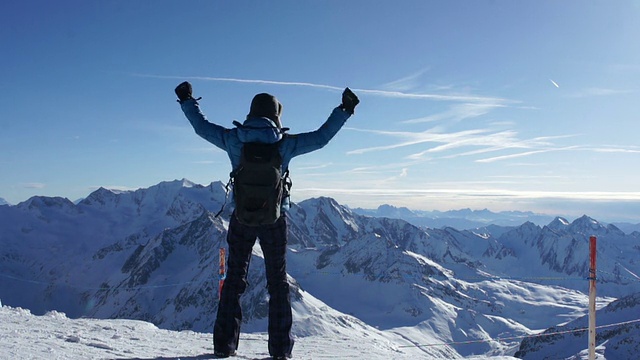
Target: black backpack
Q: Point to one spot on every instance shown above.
(259, 184)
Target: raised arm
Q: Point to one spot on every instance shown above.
(213, 133)
(299, 144)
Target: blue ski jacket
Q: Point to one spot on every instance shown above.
(262, 130)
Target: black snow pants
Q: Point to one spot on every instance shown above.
(273, 241)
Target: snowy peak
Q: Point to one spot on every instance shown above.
(325, 220)
(559, 223)
(180, 200)
(527, 234)
(324, 203)
(394, 212)
(588, 226)
(47, 208)
(585, 225)
(171, 187)
(3, 202)
(99, 197)
(159, 193)
(44, 201)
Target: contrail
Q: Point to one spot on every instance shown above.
(247, 81)
(394, 94)
(554, 83)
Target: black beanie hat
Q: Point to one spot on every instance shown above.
(266, 105)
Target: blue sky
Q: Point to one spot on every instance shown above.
(505, 105)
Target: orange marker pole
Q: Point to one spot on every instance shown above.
(222, 272)
(592, 298)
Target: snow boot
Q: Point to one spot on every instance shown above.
(223, 355)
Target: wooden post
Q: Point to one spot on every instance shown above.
(592, 298)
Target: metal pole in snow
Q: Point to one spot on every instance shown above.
(222, 272)
(592, 298)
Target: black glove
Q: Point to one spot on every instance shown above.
(183, 91)
(349, 101)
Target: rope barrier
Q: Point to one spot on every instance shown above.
(618, 276)
(605, 258)
(520, 337)
(473, 278)
(141, 287)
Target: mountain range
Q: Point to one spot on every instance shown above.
(470, 219)
(152, 254)
(459, 219)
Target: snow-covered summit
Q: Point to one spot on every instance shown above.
(45, 201)
(559, 223)
(587, 226)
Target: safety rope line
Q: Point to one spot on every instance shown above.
(141, 287)
(606, 258)
(619, 276)
(520, 337)
(437, 277)
(496, 277)
(100, 288)
(468, 278)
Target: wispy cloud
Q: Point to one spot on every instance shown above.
(625, 68)
(34, 185)
(522, 154)
(314, 167)
(489, 142)
(631, 150)
(459, 112)
(596, 92)
(480, 192)
(406, 83)
(552, 148)
(494, 141)
(485, 141)
(202, 150)
(413, 138)
(526, 177)
(440, 97)
(391, 168)
(403, 174)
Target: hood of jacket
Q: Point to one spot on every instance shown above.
(258, 129)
